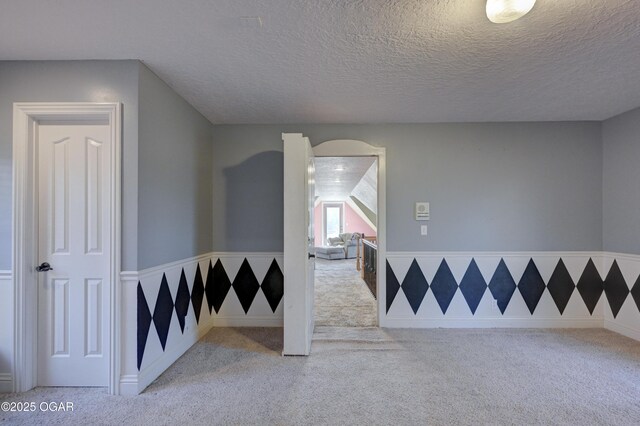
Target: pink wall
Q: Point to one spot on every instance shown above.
(353, 223)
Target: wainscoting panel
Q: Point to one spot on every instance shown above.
(622, 290)
(175, 304)
(494, 290)
(249, 288)
(169, 307)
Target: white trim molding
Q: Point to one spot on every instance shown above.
(475, 254)
(631, 332)
(495, 323)
(6, 383)
(247, 321)
(26, 117)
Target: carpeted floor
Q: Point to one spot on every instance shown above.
(342, 299)
(377, 377)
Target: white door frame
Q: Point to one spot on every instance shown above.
(26, 117)
(354, 148)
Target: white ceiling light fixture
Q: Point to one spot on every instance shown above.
(503, 11)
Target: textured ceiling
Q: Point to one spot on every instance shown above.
(336, 177)
(349, 61)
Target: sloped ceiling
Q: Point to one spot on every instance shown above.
(366, 191)
(353, 61)
(336, 177)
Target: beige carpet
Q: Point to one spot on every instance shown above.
(371, 376)
(342, 299)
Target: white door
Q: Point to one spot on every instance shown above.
(74, 222)
(299, 256)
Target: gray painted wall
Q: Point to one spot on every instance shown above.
(71, 81)
(492, 186)
(175, 198)
(621, 183)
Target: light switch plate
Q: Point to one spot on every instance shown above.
(423, 230)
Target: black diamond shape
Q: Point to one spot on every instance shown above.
(163, 311)
(392, 286)
(273, 285)
(473, 286)
(635, 292)
(197, 294)
(590, 286)
(246, 285)
(502, 286)
(220, 285)
(444, 286)
(561, 286)
(144, 323)
(415, 286)
(615, 288)
(182, 300)
(209, 287)
(531, 286)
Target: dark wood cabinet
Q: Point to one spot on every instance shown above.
(369, 263)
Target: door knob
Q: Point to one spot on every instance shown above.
(44, 267)
(311, 255)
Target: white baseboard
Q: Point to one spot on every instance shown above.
(129, 384)
(493, 323)
(252, 321)
(246, 254)
(632, 333)
(6, 330)
(6, 383)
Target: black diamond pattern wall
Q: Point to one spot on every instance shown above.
(615, 288)
(197, 294)
(182, 300)
(531, 286)
(214, 289)
(444, 286)
(163, 312)
(144, 323)
(210, 288)
(273, 285)
(561, 286)
(590, 286)
(502, 286)
(218, 287)
(473, 286)
(415, 286)
(635, 292)
(392, 286)
(246, 285)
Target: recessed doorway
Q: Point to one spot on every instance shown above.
(346, 200)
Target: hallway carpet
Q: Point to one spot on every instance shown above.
(371, 376)
(342, 299)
